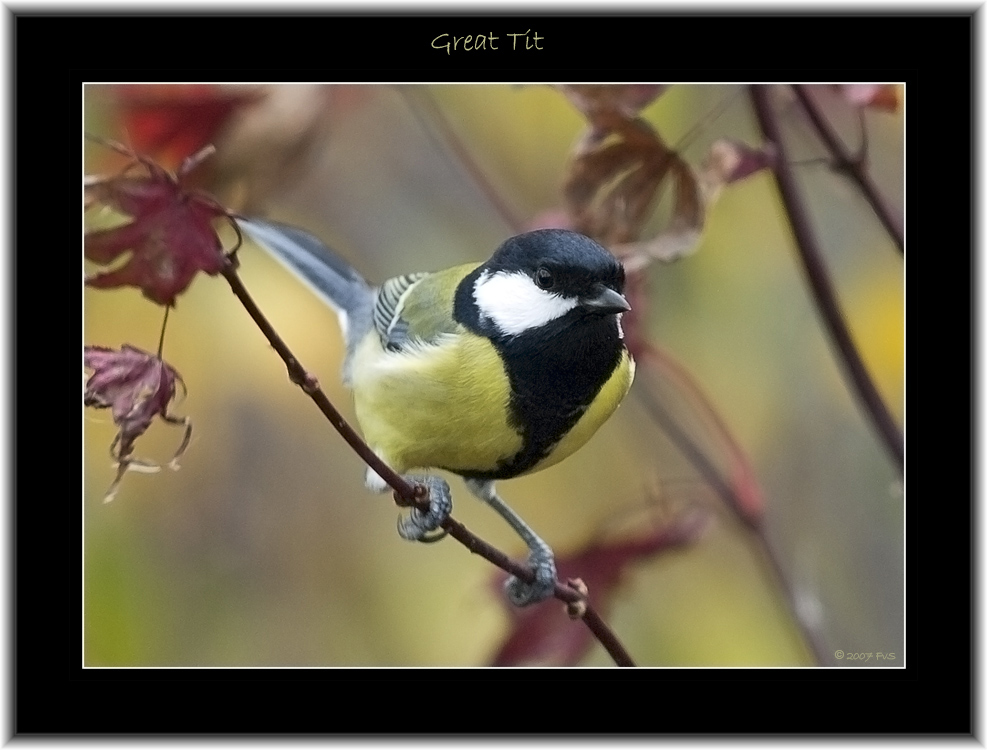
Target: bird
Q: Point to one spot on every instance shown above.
(486, 370)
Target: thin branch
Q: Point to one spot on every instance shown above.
(821, 285)
(164, 326)
(676, 433)
(407, 493)
(590, 617)
(853, 166)
(607, 638)
(301, 377)
(670, 370)
(753, 524)
(769, 558)
(694, 455)
(436, 125)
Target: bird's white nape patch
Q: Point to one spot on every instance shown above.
(514, 304)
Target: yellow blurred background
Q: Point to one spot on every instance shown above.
(266, 550)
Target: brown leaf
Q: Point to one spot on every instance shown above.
(613, 180)
(171, 234)
(136, 387)
(621, 166)
(681, 236)
(727, 161)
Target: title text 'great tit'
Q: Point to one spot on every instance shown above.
(488, 370)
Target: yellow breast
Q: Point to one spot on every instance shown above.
(428, 406)
(445, 405)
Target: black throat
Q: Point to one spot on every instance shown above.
(555, 372)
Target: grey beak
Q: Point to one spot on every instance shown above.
(603, 299)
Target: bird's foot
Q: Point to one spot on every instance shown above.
(419, 523)
(521, 593)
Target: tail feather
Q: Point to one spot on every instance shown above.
(328, 275)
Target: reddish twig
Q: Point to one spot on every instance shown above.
(740, 489)
(820, 283)
(810, 631)
(853, 166)
(406, 493)
(590, 617)
(301, 377)
(694, 454)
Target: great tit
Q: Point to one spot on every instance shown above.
(489, 371)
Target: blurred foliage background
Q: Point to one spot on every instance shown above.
(266, 550)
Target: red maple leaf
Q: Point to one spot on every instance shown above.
(171, 234)
(136, 387)
(174, 120)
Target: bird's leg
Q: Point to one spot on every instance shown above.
(541, 559)
(419, 523)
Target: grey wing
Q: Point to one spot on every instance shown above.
(328, 275)
(390, 326)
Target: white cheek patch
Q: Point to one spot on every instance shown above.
(515, 304)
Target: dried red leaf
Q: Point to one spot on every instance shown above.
(612, 182)
(619, 168)
(266, 137)
(877, 95)
(545, 635)
(171, 234)
(680, 236)
(727, 161)
(622, 164)
(136, 387)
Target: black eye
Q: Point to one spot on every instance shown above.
(544, 278)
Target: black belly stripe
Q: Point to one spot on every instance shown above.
(555, 371)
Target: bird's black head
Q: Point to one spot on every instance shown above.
(544, 276)
(550, 302)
